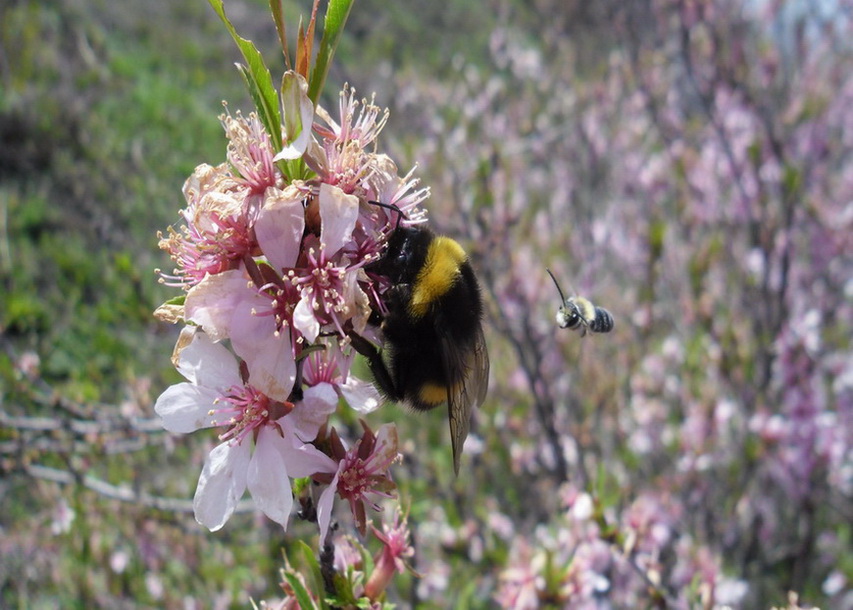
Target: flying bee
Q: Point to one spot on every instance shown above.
(578, 313)
(434, 351)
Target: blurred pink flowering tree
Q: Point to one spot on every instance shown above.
(696, 178)
(693, 175)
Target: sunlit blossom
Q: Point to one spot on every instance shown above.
(250, 153)
(214, 395)
(217, 233)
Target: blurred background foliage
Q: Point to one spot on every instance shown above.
(685, 164)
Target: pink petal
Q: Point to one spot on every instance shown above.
(211, 302)
(267, 477)
(338, 213)
(251, 323)
(385, 448)
(221, 484)
(185, 407)
(280, 225)
(357, 300)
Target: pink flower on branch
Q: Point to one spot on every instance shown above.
(396, 548)
(215, 395)
(361, 476)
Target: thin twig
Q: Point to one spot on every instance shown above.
(120, 492)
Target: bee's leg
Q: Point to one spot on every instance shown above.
(380, 371)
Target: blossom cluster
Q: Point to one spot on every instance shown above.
(272, 260)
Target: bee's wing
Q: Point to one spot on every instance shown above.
(467, 370)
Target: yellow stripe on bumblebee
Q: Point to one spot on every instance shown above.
(439, 273)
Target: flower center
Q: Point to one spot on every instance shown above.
(243, 409)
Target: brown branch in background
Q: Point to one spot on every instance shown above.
(120, 492)
(79, 430)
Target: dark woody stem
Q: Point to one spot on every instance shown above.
(327, 564)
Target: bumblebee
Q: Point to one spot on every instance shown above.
(578, 313)
(434, 351)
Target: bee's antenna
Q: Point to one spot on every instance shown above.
(391, 206)
(560, 290)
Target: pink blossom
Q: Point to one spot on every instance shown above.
(250, 153)
(362, 473)
(396, 548)
(217, 233)
(326, 372)
(215, 396)
(257, 321)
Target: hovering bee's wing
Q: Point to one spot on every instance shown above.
(467, 370)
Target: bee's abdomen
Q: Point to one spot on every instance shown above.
(603, 322)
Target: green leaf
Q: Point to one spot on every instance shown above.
(316, 575)
(333, 27)
(302, 597)
(258, 80)
(178, 300)
(278, 18)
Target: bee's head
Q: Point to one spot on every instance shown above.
(404, 255)
(568, 315)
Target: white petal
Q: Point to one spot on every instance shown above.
(272, 369)
(208, 364)
(267, 477)
(324, 508)
(221, 484)
(185, 407)
(304, 320)
(298, 111)
(386, 444)
(318, 402)
(338, 213)
(303, 459)
(360, 395)
(280, 225)
(211, 302)
(357, 301)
